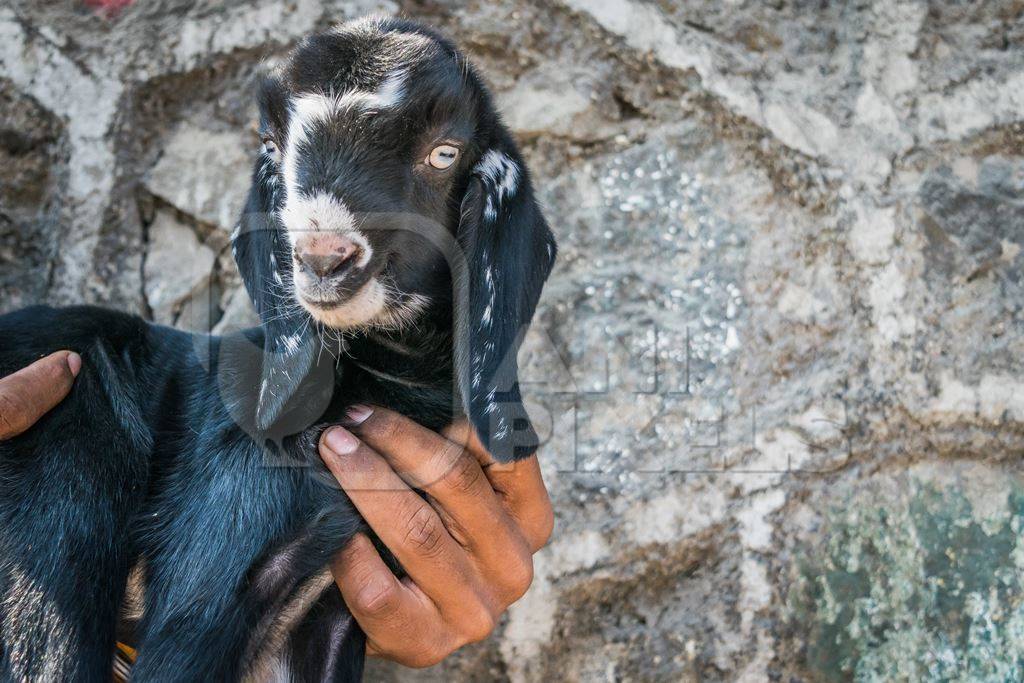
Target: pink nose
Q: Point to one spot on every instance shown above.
(326, 254)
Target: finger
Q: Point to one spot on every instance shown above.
(399, 622)
(519, 484)
(422, 456)
(453, 478)
(30, 393)
(460, 494)
(406, 523)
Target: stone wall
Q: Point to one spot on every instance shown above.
(779, 362)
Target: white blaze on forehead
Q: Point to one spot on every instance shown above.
(387, 95)
(318, 211)
(311, 109)
(306, 110)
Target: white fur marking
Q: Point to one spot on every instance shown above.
(503, 173)
(389, 94)
(372, 306)
(305, 111)
(324, 213)
(489, 278)
(280, 670)
(290, 343)
(311, 109)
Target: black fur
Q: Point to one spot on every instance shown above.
(194, 458)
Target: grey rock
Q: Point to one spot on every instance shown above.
(205, 173)
(922, 564)
(199, 312)
(33, 156)
(238, 314)
(178, 270)
(547, 105)
(984, 221)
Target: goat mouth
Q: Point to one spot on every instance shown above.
(336, 292)
(352, 301)
(337, 298)
(323, 304)
(375, 303)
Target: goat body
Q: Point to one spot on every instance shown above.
(144, 462)
(390, 213)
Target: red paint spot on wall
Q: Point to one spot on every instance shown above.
(108, 8)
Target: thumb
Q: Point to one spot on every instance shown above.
(30, 393)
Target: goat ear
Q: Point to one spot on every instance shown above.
(263, 255)
(509, 252)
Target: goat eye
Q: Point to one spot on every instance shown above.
(269, 147)
(442, 156)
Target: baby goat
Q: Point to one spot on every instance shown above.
(390, 218)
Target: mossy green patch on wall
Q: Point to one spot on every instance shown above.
(917, 578)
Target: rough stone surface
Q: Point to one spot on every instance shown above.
(178, 269)
(198, 174)
(919, 579)
(779, 362)
(32, 156)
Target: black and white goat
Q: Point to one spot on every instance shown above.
(391, 218)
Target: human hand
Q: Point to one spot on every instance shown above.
(468, 549)
(28, 394)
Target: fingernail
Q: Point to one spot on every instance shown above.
(357, 414)
(74, 363)
(340, 441)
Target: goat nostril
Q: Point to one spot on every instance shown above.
(346, 251)
(333, 261)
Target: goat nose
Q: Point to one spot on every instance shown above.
(324, 255)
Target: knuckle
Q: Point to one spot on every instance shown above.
(442, 457)
(455, 529)
(479, 623)
(518, 576)
(465, 475)
(545, 524)
(424, 532)
(377, 599)
(538, 523)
